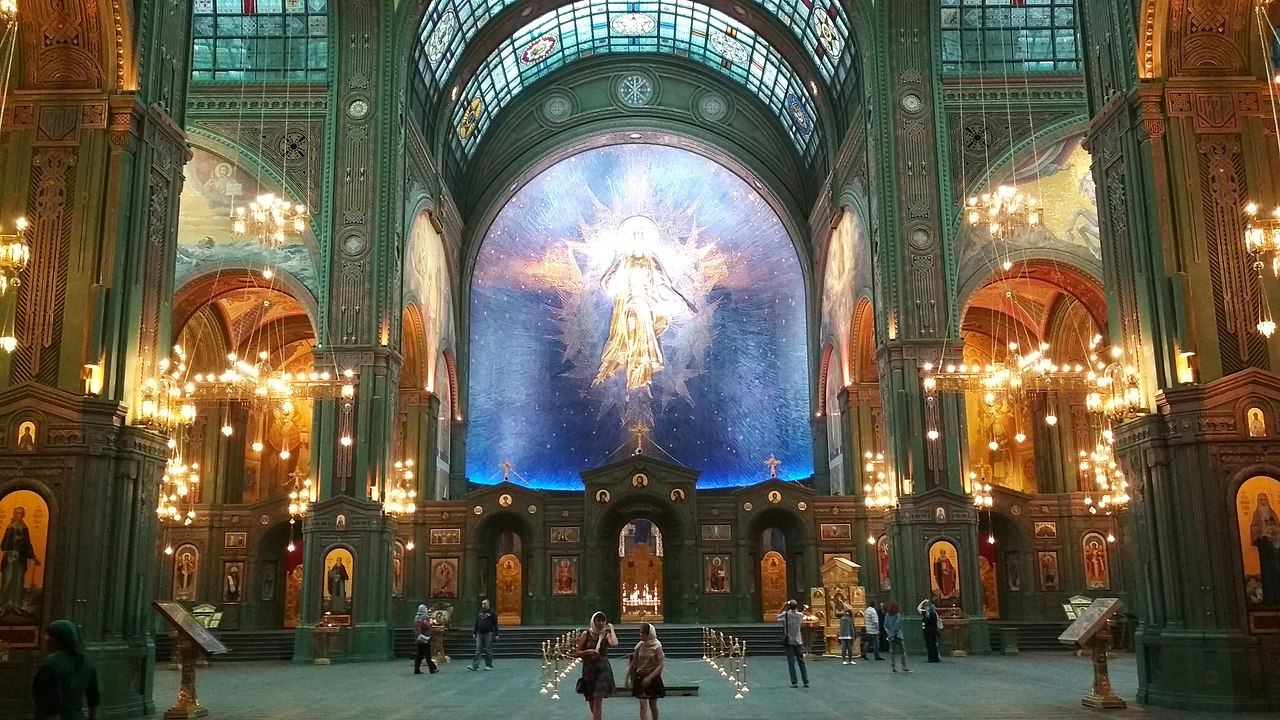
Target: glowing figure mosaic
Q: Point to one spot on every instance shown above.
(637, 285)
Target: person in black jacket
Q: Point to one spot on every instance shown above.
(930, 625)
(485, 632)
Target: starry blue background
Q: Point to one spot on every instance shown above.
(531, 404)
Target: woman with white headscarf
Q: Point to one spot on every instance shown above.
(596, 682)
(422, 627)
(644, 674)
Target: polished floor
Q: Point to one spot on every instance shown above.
(1032, 686)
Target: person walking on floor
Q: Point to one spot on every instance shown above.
(596, 682)
(644, 673)
(847, 634)
(792, 623)
(485, 632)
(931, 624)
(871, 620)
(422, 628)
(66, 682)
(893, 630)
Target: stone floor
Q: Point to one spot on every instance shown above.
(1032, 686)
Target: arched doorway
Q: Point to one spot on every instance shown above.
(779, 556)
(279, 558)
(640, 569)
(504, 565)
(1007, 586)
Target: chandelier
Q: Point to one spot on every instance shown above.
(299, 503)
(1004, 212)
(878, 490)
(164, 407)
(15, 253)
(269, 218)
(1115, 392)
(177, 488)
(399, 497)
(981, 489)
(1101, 473)
(299, 496)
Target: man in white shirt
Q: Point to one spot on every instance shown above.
(871, 618)
(792, 624)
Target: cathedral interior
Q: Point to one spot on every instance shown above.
(312, 311)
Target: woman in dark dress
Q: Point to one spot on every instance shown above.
(596, 682)
(644, 674)
(929, 623)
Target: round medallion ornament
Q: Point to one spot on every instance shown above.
(533, 509)
(677, 495)
(911, 102)
(504, 500)
(477, 510)
(828, 35)
(632, 24)
(748, 506)
(713, 107)
(635, 90)
(729, 48)
(538, 50)
(802, 506)
(799, 114)
(775, 497)
(438, 41)
(557, 107)
(470, 119)
(358, 109)
(353, 244)
(639, 480)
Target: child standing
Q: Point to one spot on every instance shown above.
(846, 637)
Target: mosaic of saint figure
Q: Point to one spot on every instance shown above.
(18, 553)
(644, 302)
(1264, 534)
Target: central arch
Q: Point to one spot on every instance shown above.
(679, 577)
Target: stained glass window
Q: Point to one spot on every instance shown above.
(673, 27)
(1016, 36)
(260, 40)
(821, 26)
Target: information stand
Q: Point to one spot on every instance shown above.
(193, 641)
(1092, 628)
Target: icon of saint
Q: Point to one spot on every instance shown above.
(1264, 534)
(338, 578)
(644, 302)
(18, 553)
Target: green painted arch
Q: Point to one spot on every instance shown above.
(681, 28)
(745, 131)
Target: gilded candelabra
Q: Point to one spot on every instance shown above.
(559, 657)
(726, 655)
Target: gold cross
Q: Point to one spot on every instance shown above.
(639, 431)
(773, 464)
(506, 470)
